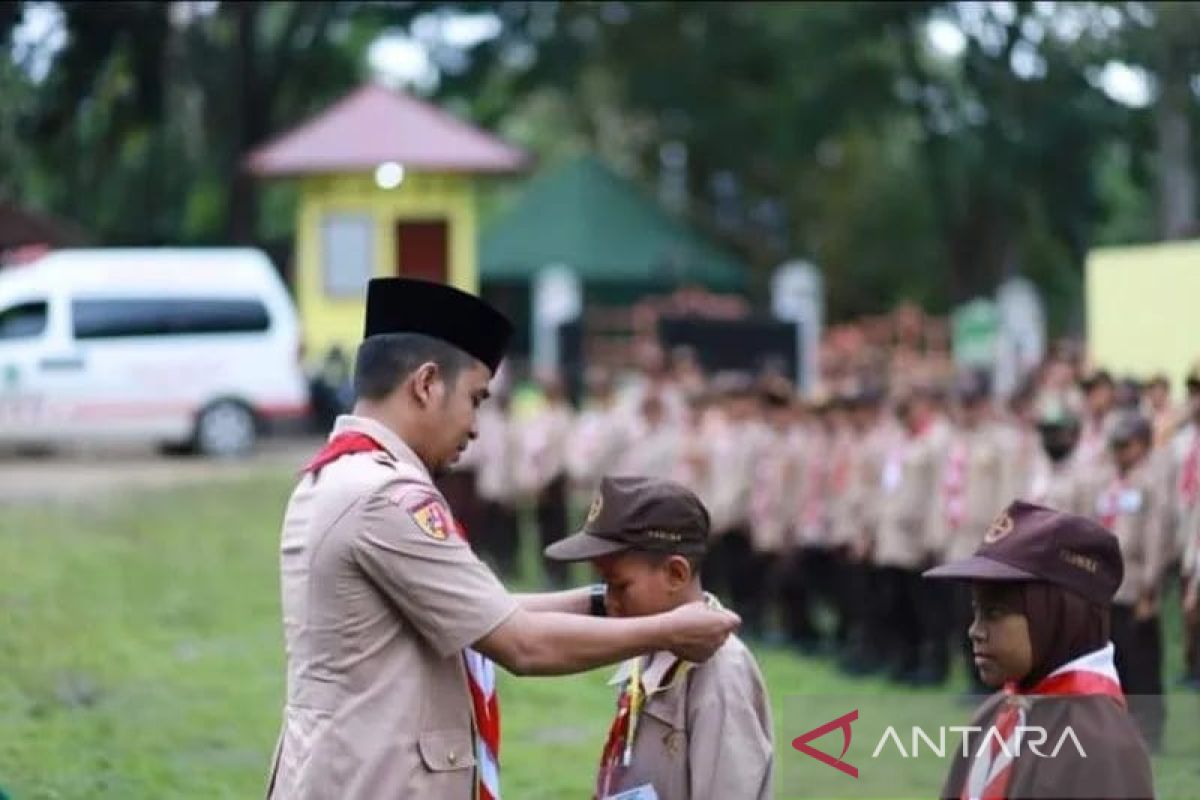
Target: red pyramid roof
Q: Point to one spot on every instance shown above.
(373, 125)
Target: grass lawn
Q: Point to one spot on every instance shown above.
(141, 657)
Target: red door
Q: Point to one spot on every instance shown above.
(422, 250)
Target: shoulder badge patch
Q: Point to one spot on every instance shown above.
(432, 517)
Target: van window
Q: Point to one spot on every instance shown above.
(23, 321)
(119, 318)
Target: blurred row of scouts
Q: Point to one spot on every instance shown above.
(826, 511)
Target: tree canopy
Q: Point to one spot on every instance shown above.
(915, 150)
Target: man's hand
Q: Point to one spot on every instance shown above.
(697, 631)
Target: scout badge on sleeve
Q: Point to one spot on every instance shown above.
(432, 518)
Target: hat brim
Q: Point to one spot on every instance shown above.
(979, 568)
(583, 547)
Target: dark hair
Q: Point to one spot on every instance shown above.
(656, 558)
(384, 361)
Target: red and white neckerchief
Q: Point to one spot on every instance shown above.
(614, 757)
(768, 479)
(638, 681)
(954, 485)
(1092, 674)
(1109, 506)
(812, 509)
(839, 477)
(1189, 473)
(481, 672)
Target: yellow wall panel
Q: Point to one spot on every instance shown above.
(337, 321)
(1143, 309)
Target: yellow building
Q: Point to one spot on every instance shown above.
(387, 186)
(1141, 315)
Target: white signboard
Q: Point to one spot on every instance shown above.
(557, 298)
(798, 295)
(1022, 336)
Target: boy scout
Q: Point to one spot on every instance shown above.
(735, 447)
(599, 436)
(972, 480)
(496, 445)
(1052, 481)
(774, 480)
(682, 731)
(542, 467)
(1185, 449)
(903, 543)
(389, 617)
(1130, 499)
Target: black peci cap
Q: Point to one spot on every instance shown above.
(404, 305)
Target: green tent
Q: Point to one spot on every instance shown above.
(584, 216)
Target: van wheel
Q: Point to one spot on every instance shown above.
(225, 429)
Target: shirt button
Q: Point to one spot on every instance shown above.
(452, 758)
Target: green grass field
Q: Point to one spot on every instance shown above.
(141, 657)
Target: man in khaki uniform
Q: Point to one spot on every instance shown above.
(1052, 482)
(653, 443)
(1131, 500)
(685, 731)
(1185, 452)
(971, 494)
(1099, 398)
(736, 444)
(389, 617)
(856, 523)
(903, 546)
(599, 436)
(771, 509)
(496, 447)
(542, 467)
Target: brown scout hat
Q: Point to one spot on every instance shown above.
(1028, 542)
(633, 513)
(1128, 426)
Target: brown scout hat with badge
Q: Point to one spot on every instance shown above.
(634, 513)
(1028, 542)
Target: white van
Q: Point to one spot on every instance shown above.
(188, 348)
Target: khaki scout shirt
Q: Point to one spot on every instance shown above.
(910, 494)
(736, 447)
(1055, 486)
(1137, 507)
(377, 609)
(652, 452)
(1186, 518)
(771, 502)
(846, 496)
(705, 735)
(599, 437)
(979, 453)
(496, 454)
(544, 437)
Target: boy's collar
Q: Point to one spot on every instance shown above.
(660, 663)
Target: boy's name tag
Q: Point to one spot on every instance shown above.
(645, 792)
(1130, 501)
(893, 472)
